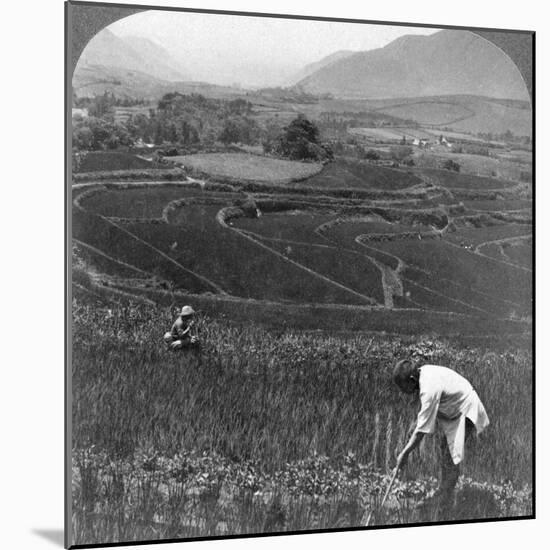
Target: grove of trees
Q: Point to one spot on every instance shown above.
(179, 119)
(194, 120)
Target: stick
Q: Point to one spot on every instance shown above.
(393, 477)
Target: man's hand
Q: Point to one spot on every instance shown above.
(402, 459)
(414, 441)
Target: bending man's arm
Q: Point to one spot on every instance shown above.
(413, 442)
(425, 424)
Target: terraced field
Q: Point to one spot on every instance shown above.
(455, 180)
(343, 174)
(291, 225)
(477, 236)
(291, 246)
(98, 161)
(499, 205)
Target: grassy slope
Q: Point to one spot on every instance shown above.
(243, 166)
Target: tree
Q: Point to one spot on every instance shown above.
(272, 132)
(187, 133)
(371, 154)
(239, 129)
(83, 138)
(101, 105)
(300, 141)
(400, 152)
(239, 106)
(158, 136)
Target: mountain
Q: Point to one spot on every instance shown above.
(313, 67)
(447, 62)
(134, 54)
(153, 54)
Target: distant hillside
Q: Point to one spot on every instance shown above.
(447, 62)
(94, 80)
(153, 55)
(313, 67)
(133, 53)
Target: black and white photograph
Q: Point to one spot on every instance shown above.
(300, 282)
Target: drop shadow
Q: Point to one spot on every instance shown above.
(57, 536)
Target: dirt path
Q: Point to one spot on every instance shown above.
(391, 278)
(391, 283)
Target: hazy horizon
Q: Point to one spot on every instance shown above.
(252, 51)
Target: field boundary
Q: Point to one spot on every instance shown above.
(220, 217)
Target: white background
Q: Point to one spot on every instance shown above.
(32, 315)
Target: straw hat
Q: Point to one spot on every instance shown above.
(186, 311)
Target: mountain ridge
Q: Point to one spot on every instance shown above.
(135, 53)
(310, 68)
(444, 63)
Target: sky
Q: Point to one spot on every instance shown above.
(252, 51)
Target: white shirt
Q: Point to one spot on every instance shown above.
(447, 399)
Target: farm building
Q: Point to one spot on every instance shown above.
(420, 142)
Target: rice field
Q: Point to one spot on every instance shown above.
(268, 431)
(291, 225)
(296, 252)
(358, 175)
(452, 180)
(445, 263)
(98, 161)
(475, 236)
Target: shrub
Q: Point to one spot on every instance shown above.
(451, 165)
(371, 154)
(249, 208)
(170, 152)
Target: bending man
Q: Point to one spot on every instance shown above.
(449, 402)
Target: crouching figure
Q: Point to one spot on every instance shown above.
(180, 336)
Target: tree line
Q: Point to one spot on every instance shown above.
(194, 120)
